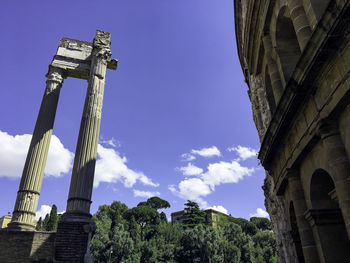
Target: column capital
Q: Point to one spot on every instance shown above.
(327, 127)
(102, 45)
(55, 75)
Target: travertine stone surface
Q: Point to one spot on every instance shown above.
(33, 172)
(339, 165)
(276, 209)
(85, 156)
(76, 226)
(305, 232)
(260, 106)
(274, 73)
(300, 22)
(302, 48)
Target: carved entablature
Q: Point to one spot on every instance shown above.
(74, 56)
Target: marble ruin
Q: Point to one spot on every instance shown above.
(295, 55)
(83, 60)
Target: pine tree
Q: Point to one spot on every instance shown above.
(39, 225)
(193, 215)
(45, 222)
(52, 222)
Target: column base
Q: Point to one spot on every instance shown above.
(17, 226)
(73, 237)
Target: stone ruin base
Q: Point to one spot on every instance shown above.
(26, 246)
(76, 232)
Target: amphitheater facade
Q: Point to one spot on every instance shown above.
(295, 56)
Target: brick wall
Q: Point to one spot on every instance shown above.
(26, 246)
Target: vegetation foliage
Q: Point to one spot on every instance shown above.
(143, 234)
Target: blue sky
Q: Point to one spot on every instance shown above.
(176, 119)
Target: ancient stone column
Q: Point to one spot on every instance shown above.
(300, 22)
(276, 83)
(339, 164)
(305, 231)
(33, 172)
(76, 224)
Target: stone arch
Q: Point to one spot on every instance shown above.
(318, 7)
(321, 189)
(295, 234)
(287, 45)
(326, 219)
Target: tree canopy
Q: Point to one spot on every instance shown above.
(142, 234)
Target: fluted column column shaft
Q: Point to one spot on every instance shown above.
(300, 22)
(339, 166)
(29, 189)
(80, 191)
(276, 83)
(305, 231)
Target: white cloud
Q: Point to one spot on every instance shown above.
(193, 189)
(59, 159)
(219, 208)
(190, 169)
(186, 157)
(43, 211)
(111, 142)
(260, 213)
(112, 168)
(196, 189)
(244, 152)
(14, 149)
(225, 172)
(146, 194)
(207, 152)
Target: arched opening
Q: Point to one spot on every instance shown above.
(319, 6)
(287, 44)
(269, 92)
(326, 219)
(295, 234)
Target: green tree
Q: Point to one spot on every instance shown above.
(146, 217)
(163, 217)
(115, 212)
(39, 225)
(233, 233)
(265, 246)
(193, 215)
(200, 244)
(53, 219)
(121, 243)
(100, 244)
(231, 253)
(45, 222)
(261, 223)
(247, 227)
(157, 203)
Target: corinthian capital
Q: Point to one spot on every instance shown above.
(55, 75)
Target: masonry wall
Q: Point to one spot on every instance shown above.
(26, 246)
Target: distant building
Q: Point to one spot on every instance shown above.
(212, 217)
(4, 221)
